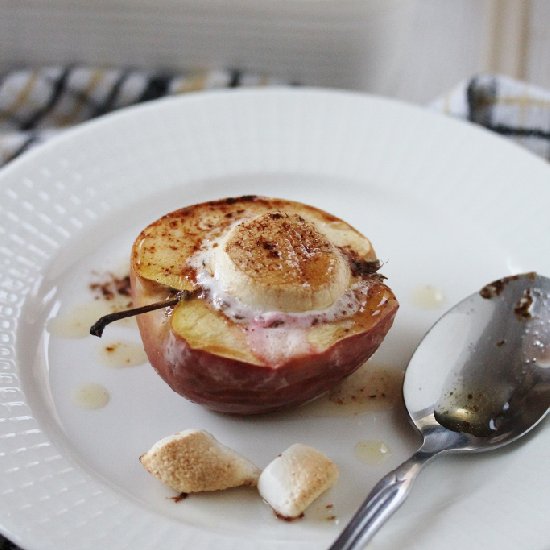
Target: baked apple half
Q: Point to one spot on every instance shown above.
(286, 301)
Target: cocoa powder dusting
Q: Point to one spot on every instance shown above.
(284, 246)
(109, 286)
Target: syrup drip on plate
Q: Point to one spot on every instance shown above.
(371, 388)
(122, 354)
(372, 452)
(428, 297)
(91, 396)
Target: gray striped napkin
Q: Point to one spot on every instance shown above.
(37, 104)
(508, 107)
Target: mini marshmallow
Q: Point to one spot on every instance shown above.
(291, 482)
(194, 461)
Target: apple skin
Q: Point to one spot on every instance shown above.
(227, 385)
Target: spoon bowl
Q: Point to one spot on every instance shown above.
(479, 380)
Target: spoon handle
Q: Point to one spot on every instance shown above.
(384, 499)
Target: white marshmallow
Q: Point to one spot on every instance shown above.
(194, 461)
(291, 482)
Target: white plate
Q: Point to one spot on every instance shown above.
(446, 204)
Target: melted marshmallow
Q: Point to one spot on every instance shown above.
(351, 302)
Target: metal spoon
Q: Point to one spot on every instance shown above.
(479, 380)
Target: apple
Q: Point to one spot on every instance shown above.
(290, 302)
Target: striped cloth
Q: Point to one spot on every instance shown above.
(36, 104)
(508, 107)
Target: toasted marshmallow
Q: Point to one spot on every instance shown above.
(194, 461)
(291, 482)
(281, 262)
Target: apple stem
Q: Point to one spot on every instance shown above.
(99, 326)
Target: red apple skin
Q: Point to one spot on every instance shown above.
(231, 386)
